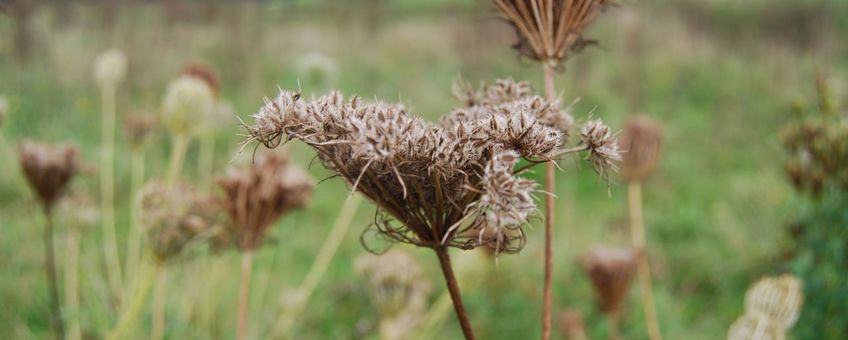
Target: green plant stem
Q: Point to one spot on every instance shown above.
(52, 277)
(72, 299)
(244, 295)
(206, 158)
(319, 267)
(160, 293)
(147, 274)
(134, 235)
(178, 151)
(107, 191)
(453, 288)
(547, 298)
(637, 230)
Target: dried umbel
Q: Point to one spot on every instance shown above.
(4, 110)
(175, 217)
(110, 68)
(603, 147)
(187, 102)
(137, 127)
(550, 31)
(778, 299)
(48, 168)
(610, 270)
(641, 141)
(255, 197)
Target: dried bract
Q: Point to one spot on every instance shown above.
(256, 197)
(610, 270)
(641, 142)
(137, 127)
(550, 31)
(48, 168)
(187, 102)
(110, 68)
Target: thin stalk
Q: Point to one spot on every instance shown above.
(453, 288)
(206, 158)
(72, 299)
(147, 274)
(52, 277)
(319, 266)
(547, 303)
(637, 230)
(614, 319)
(178, 151)
(244, 294)
(107, 191)
(159, 305)
(135, 233)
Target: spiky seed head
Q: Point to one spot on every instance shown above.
(4, 110)
(188, 101)
(641, 142)
(603, 147)
(610, 270)
(777, 298)
(257, 196)
(110, 68)
(48, 168)
(138, 126)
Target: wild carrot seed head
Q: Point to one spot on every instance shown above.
(48, 168)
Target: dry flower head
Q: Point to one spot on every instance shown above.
(641, 141)
(257, 196)
(187, 103)
(610, 270)
(550, 31)
(48, 168)
(110, 68)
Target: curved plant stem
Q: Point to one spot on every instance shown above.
(319, 267)
(107, 191)
(147, 274)
(52, 277)
(206, 158)
(244, 294)
(134, 234)
(453, 288)
(549, 221)
(637, 230)
(159, 305)
(72, 306)
(178, 151)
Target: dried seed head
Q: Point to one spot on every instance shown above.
(602, 146)
(610, 270)
(206, 74)
(48, 168)
(778, 299)
(256, 197)
(137, 127)
(175, 217)
(751, 327)
(78, 211)
(641, 142)
(4, 110)
(188, 101)
(110, 68)
(550, 31)
(396, 282)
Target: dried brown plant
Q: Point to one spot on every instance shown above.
(550, 30)
(48, 169)
(641, 141)
(611, 270)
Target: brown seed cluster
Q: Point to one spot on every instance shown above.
(48, 168)
(610, 270)
(256, 196)
(550, 30)
(642, 143)
(175, 217)
(436, 184)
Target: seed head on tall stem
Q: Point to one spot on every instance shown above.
(611, 270)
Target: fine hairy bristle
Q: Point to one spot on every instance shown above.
(48, 168)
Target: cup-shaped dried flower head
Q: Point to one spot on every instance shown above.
(187, 102)
(776, 298)
(78, 211)
(205, 73)
(396, 282)
(110, 68)
(138, 126)
(257, 196)
(641, 141)
(435, 185)
(753, 327)
(610, 270)
(48, 168)
(175, 216)
(4, 110)
(550, 31)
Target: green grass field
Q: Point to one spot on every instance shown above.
(719, 75)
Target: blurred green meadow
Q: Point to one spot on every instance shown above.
(719, 75)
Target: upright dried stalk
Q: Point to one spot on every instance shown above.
(136, 127)
(80, 213)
